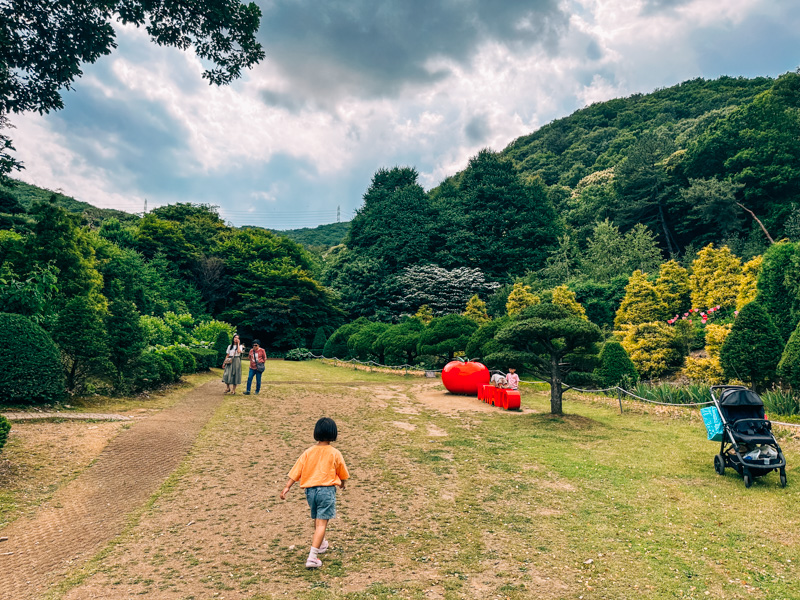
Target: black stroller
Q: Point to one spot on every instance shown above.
(747, 441)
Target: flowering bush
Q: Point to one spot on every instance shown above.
(655, 348)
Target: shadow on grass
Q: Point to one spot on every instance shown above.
(563, 421)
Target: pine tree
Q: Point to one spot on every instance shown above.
(672, 286)
(789, 366)
(616, 367)
(520, 298)
(476, 310)
(752, 350)
(641, 303)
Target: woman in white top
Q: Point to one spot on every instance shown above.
(233, 366)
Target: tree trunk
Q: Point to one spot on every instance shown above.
(663, 220)
(555, 387)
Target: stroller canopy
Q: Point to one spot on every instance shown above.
(740, 398)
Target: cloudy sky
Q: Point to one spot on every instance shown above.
(350, 86)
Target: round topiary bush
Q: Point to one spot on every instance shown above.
(24, 379)
(174, 363)
(189, 363)
(205, 358)
(5, 427)
(151, 371)
(616, 367)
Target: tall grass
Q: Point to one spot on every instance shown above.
(672, 394)
(781, 402)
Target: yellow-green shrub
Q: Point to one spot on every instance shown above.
(715, 279)
(641, 303)
(476, 310)
(747, 282)
(563, 296)
(520, 298)
(654, 348)
(672, 286)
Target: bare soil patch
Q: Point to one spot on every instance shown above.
(433, 395)
(87, 513)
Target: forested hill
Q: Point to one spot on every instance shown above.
(617, 186)
(318, 238)
(26, 194)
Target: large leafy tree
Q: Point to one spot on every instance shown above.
(779, 286)
(46, 42)
(552, 342)
(756, 147)
(273, 293)
(444, 291)
(495, 221)
(80, 332)
(400, 340)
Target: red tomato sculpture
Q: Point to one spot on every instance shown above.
(464, 377)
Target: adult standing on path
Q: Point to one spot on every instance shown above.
(258, 360)
(233, 365)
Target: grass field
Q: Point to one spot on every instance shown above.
(448, 501)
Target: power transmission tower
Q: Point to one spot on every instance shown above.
(145, 208)
(339, 214)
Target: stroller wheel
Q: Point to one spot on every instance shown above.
(783, 477)
(748, 479)
(719, 464)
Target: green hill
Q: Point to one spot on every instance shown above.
(27, 194)
(318, 238)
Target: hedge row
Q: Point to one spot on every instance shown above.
(166, 365)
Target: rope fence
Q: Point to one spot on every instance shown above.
(619, 390)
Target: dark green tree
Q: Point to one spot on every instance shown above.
(776, 293)
(789, 365)
(126, 339)
(752, 350)
(394, 224)
(274, 295)
(494, 221)
(59, 239)
(550, 342)
(5, 428)
(80, 332)
(445, 336)
(320, 337)
(616, 367)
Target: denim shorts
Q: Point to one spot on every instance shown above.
(322, 500)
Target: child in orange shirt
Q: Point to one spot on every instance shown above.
(319, 470)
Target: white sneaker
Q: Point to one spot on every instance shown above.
(323, 547)
(313, 563)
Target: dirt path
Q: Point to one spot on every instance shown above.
(91, 510)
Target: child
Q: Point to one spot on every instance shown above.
(319, 469)
(512, 379)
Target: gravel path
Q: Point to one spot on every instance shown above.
(91, 510)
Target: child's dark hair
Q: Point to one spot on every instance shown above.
(325, 430)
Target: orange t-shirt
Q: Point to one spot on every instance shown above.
(319, 465)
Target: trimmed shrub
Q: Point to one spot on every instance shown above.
(5, 427)
(789, 366)
(752, 350)
(224, 340)
(204, 358)
(175, 365)
(320, 337)
(616, 367)
(297, 354)
(21, 381)
(188, 364)
(152, 370)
